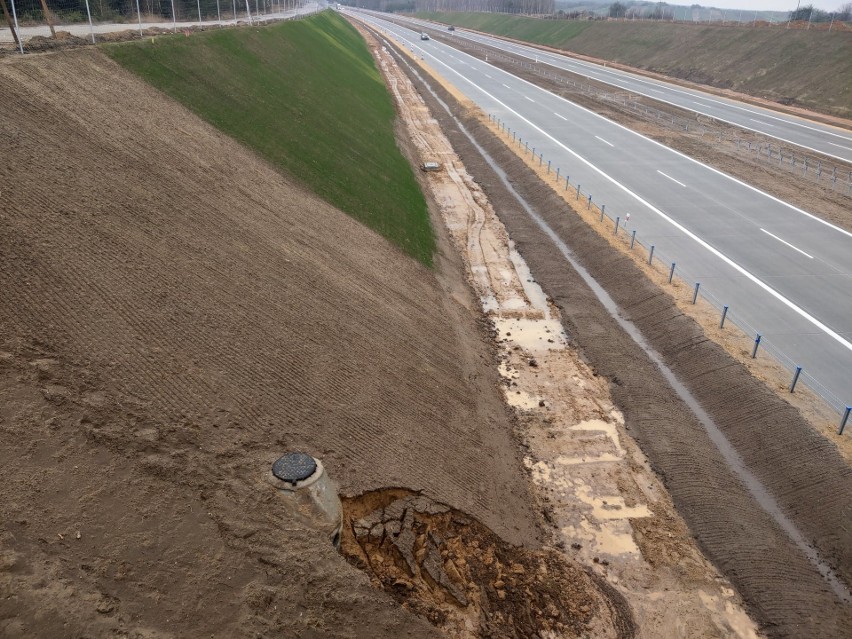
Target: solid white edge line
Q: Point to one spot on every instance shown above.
(756, 280)
(788, 244)
(630, 77)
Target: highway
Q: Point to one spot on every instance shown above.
(813, 136)
(783, 272)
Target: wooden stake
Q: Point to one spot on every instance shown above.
(48, 17)
(10, 22)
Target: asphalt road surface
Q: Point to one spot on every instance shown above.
(783, 272)
(813, 136)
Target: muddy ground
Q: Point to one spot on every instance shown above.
(608, 511)
(804, 472)
(174, 315)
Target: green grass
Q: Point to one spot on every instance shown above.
(306, 96)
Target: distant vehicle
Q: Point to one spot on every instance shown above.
(451, 28)
(430, 166)
(424, 36)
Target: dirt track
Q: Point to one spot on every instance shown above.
(803, 471)
(175, 314)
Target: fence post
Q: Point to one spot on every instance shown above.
(557, 173)
(671, 273)
(795, 378)
(578, 191)
(617, 221)
(91, 27)
(844, 419)
(651, 255)
(566, 182)
(589, 203)
(633, 239)
(695, 294)
(724, 315)
(603, 212)
(756, 344)
(15, 30)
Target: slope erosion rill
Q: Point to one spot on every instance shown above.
(174, 315)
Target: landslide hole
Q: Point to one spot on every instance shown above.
(450, 569)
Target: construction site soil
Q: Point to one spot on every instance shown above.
(810, 481)
(175, 314)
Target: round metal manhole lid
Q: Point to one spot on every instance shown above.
(294, 467)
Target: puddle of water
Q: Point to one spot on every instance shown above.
(732, 458)
(534, 293)
(521, 399)
(602, 540)
(533, 335)
(599, 425)
(610, 506)
(588, 459)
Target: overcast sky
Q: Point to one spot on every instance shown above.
(774, 5)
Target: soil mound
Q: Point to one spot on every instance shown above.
(452, 570)
(174, 315)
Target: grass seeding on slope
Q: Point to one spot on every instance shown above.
(305, 95)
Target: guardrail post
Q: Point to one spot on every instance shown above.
(633, 239)
(844, 419)
(724, 315)
(548, 167)
(695, 294)
(603, 212)
(578, 191)
(557, 173)
(756, 344)
(566, 182)
(589, 203)
(540, 158)
(651, 255)
(617, 221)
(795, 378)
(671, 273)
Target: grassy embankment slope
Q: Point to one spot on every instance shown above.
(811, 68)
(306, 96)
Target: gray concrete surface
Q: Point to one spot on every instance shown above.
(813, 136)
(784, 272)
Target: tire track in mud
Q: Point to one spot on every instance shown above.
(801, 469)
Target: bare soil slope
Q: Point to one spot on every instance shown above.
(174, 315)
